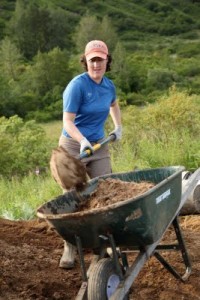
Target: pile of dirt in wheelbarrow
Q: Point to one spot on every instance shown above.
(111, 190)
(30, 252)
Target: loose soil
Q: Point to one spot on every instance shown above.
(110, 191)
(30, 252)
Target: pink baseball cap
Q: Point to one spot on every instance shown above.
(96, 49)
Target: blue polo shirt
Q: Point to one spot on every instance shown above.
(90, 102)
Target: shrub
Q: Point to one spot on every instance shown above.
(166, 132)
(160, 79)
(24, 146)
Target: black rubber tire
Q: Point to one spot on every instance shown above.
(103, 280)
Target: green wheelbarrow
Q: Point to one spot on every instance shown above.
(137, 224)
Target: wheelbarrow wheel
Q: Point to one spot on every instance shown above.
(103, 280)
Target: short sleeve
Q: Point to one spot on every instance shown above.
(72, 97)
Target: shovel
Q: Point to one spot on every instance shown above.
(70, 172)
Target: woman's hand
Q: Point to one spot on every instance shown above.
(85, 144)
(117, 132)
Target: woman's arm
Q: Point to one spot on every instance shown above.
(72, 130)
(115, 114)
(70, 127)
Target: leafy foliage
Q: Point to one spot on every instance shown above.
(10, 59)
(38, 87)
(24, 146)
(35, 28)
(101, 30)
(166, 132)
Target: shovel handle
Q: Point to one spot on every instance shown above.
(97, 146)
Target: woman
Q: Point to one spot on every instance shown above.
(87, 101)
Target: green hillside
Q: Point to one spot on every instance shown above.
(154, 44)
(133, 20)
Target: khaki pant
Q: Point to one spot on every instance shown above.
(97, 164)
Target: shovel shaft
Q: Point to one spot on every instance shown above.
(97, 146)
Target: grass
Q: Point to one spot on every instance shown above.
(19, 199)
(53, 131)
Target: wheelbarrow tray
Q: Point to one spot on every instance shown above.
(138, 221)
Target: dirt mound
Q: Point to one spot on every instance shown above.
(110, 191)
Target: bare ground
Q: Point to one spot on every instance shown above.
(30, 252)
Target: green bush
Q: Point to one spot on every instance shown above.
(190, 69)
(24, 146)
(166, 132)
(188, 50)
(50, 113)
(160, 79)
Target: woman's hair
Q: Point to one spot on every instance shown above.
(84, 62)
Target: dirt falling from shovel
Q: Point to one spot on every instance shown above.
(110, 191)
(68, 171)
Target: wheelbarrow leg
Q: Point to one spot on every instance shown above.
(115, 256)
(183, 250)
(181, 247)
(81, 256)
(82, 294)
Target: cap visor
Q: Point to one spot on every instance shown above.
(96, 54)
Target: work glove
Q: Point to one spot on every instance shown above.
(85, 144)
(117, 132)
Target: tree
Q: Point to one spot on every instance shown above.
(38, 86)
(86, 30)
(35, 28)
(47, 71)
(5, 103)
(108, 33)
(120, 69)
(10, 59)
(91, 28)
(42, 85)
(61, 28)
(11, 69)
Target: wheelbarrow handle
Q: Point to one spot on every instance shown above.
(97, 146)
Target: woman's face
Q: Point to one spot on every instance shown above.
(96, 68)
